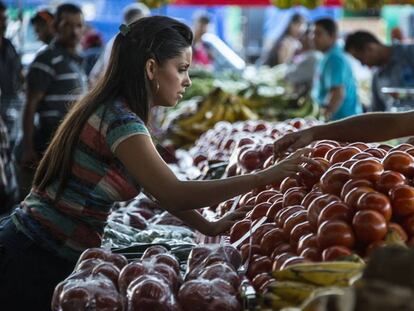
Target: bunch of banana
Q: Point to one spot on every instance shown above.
(334, 273)
(300, 284)
(217, 106)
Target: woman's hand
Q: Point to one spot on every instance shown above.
(225, 223)
(292, 141)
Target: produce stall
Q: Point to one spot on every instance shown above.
(306, 239)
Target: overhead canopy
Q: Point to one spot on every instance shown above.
(240, 2)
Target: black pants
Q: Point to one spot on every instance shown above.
(28, 273)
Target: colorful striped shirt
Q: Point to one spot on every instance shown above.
(97, 180)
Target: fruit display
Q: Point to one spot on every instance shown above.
(228, 142)
(286, 4)
(105, 281)
(358, 199)
(212, 282)
(142, 221)
(234, 101)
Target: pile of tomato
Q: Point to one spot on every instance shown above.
(358, 197)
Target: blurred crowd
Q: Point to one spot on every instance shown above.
(74, 57)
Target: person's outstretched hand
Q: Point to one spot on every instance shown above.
(292, 141)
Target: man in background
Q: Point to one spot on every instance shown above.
(42, 23)
(334, 87)
(55, 80)
(132, 13)
(393, 65)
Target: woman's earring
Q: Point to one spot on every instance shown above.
(157, 88)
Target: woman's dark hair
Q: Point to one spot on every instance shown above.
(160, 38)
(272, 58)
(358, 40)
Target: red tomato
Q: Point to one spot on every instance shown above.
(329, 142)
(307, 241)
(245, 198)
(280, 249)
(245, 141)
(399, 161)
(259, 265)
(264, 196)
(274, 198)
(154, 250)
(292, 261)
(347, 164)
(267, 151)
(168, 260)
(271, 240)
(408, 225)
(401, 147)
(334, 179)
(402, 200)
(335, 252)
(274, 209)
(309, 198)
(335, 232)
(344, 154)
(280, 259)
(118, 260)
(362, 155)
(316, 207)
(312, 254)
(392, 226)
(284, 214)
(352, 197)
(377, 202)
(410, 151)
(293, 220)
(335, 211)
(369, 169)
(129, 273)
(330, 153)
(288, 183)
(316, 170)
(321, 150)
(369, 226)
(376, 152)
(239, 229)
(353, 183)
(247, 250)
(260, 279)
(390, 180)
(361, 146)
(250, 160)
(258, 234)
(293, 196)
(385, 147)
(299, 231)
(259, 211)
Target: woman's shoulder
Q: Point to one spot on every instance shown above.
(117, 111)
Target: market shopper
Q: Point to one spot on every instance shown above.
(287, 44)
(102, 153)
(55, 79)
(11, 80)
(201, 55)
(42, 23)
(393, 65)
(334, 87)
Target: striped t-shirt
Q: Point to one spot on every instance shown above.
(97, 180)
